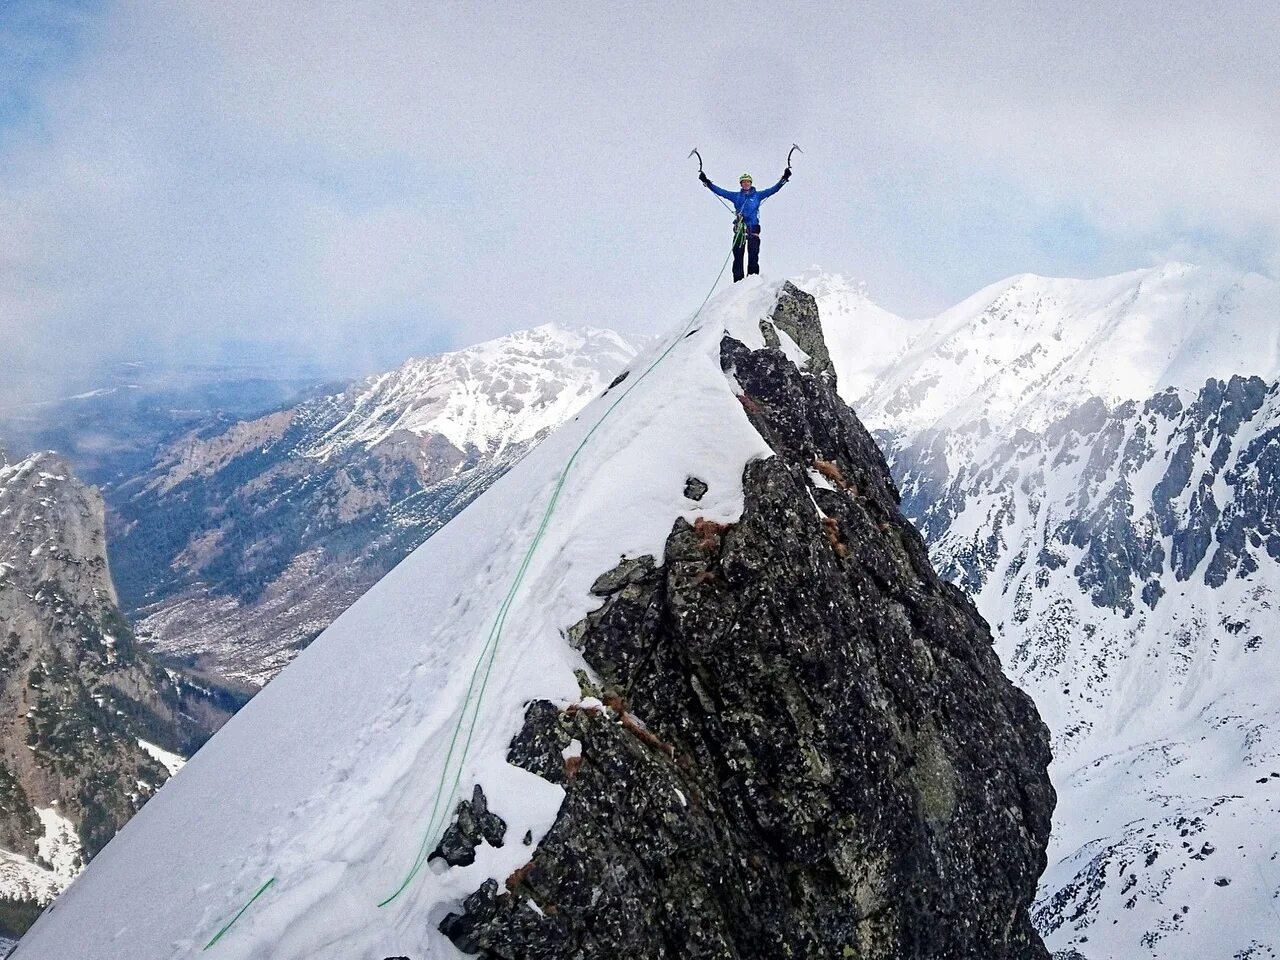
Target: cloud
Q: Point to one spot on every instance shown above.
(359, 181)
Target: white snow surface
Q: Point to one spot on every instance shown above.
(172, 762)
(60, 845)
(325, 780)
(58, 856)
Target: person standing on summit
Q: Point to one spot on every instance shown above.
(746, 227)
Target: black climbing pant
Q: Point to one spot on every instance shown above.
(750, 244)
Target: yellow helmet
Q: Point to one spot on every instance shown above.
(746, 177)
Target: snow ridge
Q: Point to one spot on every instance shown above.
(1025, 350)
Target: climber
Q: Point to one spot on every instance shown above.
(746, 226)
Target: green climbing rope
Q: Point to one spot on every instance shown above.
(239, 913)
(488, 653)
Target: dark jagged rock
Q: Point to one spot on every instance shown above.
(626, 572)
(473, 822)
(806, 746)
(695, 489)
(796, 315)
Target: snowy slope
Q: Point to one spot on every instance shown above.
(1127, 572)
(1027, 349)
(329, 795)
(241, 543)
(1065, 452)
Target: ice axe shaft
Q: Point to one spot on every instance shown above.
(794, 148)
(694, 153)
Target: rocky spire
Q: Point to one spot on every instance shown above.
(799, 742)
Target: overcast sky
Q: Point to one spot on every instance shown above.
(355, 182)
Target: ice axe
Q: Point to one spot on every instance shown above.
(794, 148)
(694, 153)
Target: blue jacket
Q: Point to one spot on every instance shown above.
(747, 202)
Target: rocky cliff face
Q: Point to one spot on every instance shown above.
(92, 725)
(799, 742)
(274, 526)
(1128, 557)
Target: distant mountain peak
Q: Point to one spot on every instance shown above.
(1023, 351)
(487, 397)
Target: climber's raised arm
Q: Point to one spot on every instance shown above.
(718, 191)
(770, 191)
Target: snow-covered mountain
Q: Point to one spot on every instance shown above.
(690, 680)
(241, 543)
(92, 726)
(1020, 352)
(1097, 461)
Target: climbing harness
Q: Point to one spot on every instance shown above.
(483, 666)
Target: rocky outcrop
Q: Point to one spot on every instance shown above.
(798, 741)
(91, 722)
